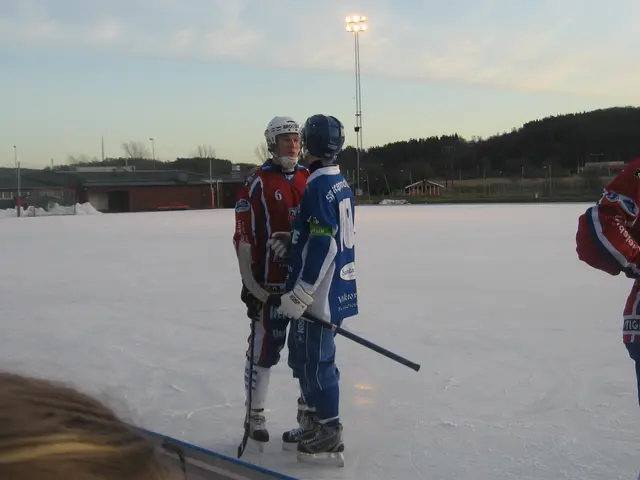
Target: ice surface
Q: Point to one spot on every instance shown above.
(523, 372)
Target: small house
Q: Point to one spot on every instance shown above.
(423, 188)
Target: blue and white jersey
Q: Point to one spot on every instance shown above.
(322, 256)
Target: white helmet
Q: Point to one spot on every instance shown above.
(279, 126)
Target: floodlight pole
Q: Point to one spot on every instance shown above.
(356, 24)
(153, 149)
(18, 182)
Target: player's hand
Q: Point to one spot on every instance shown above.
(294, 303)
(253, 304)
(279, 243)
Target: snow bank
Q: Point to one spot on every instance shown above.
(54, 209)
(388, 201)
(86, 209)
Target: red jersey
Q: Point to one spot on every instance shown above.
(268, 203)
(607, 236)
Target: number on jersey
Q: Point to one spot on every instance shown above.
(347, 228)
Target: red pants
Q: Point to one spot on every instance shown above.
(631, 316)
(271, 335)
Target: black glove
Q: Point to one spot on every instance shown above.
(253, 304)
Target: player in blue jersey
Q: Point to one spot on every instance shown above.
(322, 282)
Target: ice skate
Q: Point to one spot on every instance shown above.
(322, 445)
(258, 432)
(305, 424)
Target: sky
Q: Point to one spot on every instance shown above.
(214, 72)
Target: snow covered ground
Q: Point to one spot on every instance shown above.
(55, 209)
(523, 372)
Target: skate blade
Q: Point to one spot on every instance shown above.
(334, 459)
(289, 447)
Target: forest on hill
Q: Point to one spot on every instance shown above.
(561, 144)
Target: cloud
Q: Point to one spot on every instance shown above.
(569, 46)
(107, 32)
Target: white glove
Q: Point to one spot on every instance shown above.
(279, 243)
(294, 303)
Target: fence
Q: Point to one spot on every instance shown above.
(535, 188)
(48, 202)
(577, 187)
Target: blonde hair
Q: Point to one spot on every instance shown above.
(51, 431)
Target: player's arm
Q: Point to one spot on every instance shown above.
(321, 247)
(611, 220)
(243, 230)
(318, 254)
(248, 212)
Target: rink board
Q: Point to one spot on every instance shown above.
(203, 464)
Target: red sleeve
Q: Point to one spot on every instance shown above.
(242, 232)
(604, 238)
(245, 215)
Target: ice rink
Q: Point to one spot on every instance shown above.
(523, 376)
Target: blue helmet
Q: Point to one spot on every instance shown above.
(322, 136)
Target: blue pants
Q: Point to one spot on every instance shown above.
(634, 353)
(312, 353)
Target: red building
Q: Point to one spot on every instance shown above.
(121, 189)
(117, 189)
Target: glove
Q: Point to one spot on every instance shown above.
(294, 303)
(253, 304)
(279, 243)
(632, 272)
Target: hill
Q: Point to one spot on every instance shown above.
(561, 143)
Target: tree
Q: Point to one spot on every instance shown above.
(205, 151)
(81, 159)
(135, 149)
(262, 152)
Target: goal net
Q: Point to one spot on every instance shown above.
(49, 201)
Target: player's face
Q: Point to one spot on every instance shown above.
(288, 145)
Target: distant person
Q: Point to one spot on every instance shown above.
(265, 208)
(322, 281)
(49, 431)
(607, 239)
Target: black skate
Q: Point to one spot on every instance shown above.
(257, 430)
(322, 445)
(306, 424)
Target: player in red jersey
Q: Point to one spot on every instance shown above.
(607, 239)
(265, 210)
